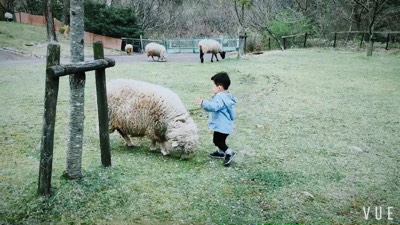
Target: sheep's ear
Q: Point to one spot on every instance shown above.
(175, 144)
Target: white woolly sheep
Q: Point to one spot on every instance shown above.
(128, 49)
(8, 16)
(141, 109)
(155, 49)
(210, 46)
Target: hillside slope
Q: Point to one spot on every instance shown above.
(31, 40)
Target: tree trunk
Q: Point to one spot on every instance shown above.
(48, 14)
(370, 47)
(77, 93)
(65, 13)
(274, 37)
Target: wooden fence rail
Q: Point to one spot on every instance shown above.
(295, 35)
(388, 33)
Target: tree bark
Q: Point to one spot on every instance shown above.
(370, 47)
(77, 93)
(48, 14)
(65, 13)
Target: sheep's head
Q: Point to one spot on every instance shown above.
(222, 54)
(182, 137)
(201, 54)
(163, 56)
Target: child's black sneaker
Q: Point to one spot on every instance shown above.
(229, 158)
(217, 154)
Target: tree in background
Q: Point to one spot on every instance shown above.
(240, 6)
(156, 15)
(48, 15)
(65, 12)
(217, 18)
(375, 11)
(113, 21)
(262, 14)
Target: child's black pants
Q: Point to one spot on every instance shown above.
(219, 140)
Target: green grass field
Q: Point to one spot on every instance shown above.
(317, 136)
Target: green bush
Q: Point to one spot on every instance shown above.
(111, 21)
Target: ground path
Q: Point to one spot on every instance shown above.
(10, 58)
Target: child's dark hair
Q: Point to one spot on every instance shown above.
(221, 79)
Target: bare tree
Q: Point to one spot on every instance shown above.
(262, 12)
(375, 12)
(48, 14)
(156, 14)
(77, 93)
(240, 6)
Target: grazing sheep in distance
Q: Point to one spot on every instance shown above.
(155, 49)
(8, 16)
(141, 109)
(128, 49)
(210, 46)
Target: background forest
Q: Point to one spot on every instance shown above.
(214, 18)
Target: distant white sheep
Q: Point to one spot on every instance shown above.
(154, 49)
(139, 109)
(210, 46)
(8, 16)
(129, 49)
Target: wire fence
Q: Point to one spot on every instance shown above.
(180, 45)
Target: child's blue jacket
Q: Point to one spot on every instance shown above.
(222, 112)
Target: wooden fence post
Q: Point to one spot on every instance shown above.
(269, 43)
(141, 44)
(284, 43)
(193, 46)
(245, 42)
(49, 118)
(166, 45)
(102, 107)
(334, 40)
(387, 41)
(305, 40)
(362, 38)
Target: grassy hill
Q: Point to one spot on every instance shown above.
(32, 40)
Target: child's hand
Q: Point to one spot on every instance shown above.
(199, 101)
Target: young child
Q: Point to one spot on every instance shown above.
(222, 113)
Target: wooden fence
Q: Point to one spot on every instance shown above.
(364, 34)
(108, 42)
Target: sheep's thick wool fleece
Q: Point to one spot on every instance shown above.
(209, 45)
(154, 49)
(142, 109)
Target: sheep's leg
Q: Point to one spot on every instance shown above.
(163, 148)
(127, 140)
(212, 57)
(201, 55)
(152, 58)
(216, 57)
(153, 146)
